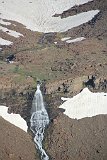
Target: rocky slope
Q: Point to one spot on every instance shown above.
(77, 139)
(15, 144)
(63, 68)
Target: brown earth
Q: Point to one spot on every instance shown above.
(15, 144)
(37, 57)
(70, 139)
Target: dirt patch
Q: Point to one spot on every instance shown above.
(15, 144)
(83, 139)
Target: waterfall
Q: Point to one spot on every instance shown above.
(39, 120)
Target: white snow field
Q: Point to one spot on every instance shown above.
(85, 104)
(5, 42)
(11, 32)
(15, 119)
(38, 15)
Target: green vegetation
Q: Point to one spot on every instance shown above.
(24, 73)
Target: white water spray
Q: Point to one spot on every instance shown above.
(39, 120)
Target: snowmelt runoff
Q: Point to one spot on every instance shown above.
(39, 120)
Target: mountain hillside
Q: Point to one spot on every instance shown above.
(62, 44)
(15, 144)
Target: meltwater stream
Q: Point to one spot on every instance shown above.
(39, 120)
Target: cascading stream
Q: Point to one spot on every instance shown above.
(39, 120)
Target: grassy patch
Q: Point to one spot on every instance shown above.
(24, 73)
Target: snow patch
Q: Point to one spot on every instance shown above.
(4, 23)
(14, 119)
(4, 42)
(75, 40)
(11, 32)
(0, 49)
(39, 15)
(85, 104)
(65, 38)
(65, 99)
(69, 40)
